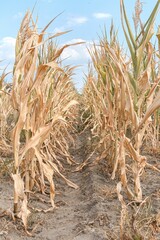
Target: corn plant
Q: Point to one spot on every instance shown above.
(122, 97)
(43, 96)
(6, 111)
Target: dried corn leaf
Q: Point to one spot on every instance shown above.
(24, 212)
(48, 172)
(151, 109)
(18, 186)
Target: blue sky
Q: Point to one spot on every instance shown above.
(86, 19)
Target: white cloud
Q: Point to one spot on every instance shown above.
(78, 52)
(77, 55)
(18, 15)
(76, 40)
(76, 21)
(59, 29)
(7, 48)
(102, 15)
(71, 22)
(7, 54)
(80, 20)
(70, 53)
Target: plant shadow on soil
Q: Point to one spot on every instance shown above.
(91, 212)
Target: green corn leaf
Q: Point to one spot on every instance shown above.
(124, 16)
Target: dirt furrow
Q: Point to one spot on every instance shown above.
(91, 212)
(81, 214)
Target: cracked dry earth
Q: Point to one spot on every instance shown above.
(91, 212)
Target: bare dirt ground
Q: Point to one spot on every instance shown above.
(92, 212)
